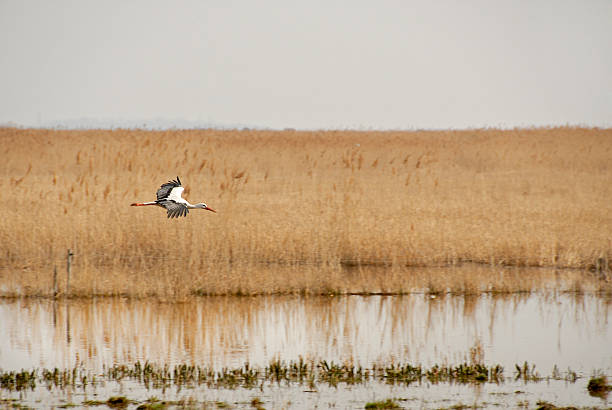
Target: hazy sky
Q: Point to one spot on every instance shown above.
(308, 64)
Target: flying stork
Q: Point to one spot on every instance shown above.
(169, 197)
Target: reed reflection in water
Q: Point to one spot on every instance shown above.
(569, 330)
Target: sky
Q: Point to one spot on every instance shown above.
(306, 65)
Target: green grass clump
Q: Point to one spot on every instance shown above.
(598, 386)
(386, 404)
(18, 380)
(118, 402)
(544, 405)
(257, 403)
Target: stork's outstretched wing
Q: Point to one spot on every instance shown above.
(165, 189)
(174, 209)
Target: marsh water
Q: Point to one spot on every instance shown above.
(556, 332)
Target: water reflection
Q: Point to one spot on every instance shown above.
(568, 330)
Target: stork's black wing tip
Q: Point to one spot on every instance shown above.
(178, 180)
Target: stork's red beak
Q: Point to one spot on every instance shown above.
(210, 209)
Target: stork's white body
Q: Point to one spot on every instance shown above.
(176, 195)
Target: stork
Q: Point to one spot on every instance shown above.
(169, 197)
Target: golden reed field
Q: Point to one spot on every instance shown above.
(303, 212)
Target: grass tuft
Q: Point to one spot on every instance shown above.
(598, 386)
(118, 402)
(385, 404)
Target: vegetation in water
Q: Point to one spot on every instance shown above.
(307, 374)
(385, 404)
(301, 372)
(598, 386)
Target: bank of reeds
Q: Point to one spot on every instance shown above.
(297, 210)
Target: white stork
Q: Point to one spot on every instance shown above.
(169, 197)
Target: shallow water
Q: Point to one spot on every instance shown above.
(567, 330)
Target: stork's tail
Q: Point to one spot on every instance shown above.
(143, 203)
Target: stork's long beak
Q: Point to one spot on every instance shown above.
(210, 209)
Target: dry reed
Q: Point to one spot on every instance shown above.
(295, 208)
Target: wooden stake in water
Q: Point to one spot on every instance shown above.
(68, 267)
(55, 281)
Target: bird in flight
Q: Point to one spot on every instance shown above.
(169, 197)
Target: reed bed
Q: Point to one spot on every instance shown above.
(298, 211)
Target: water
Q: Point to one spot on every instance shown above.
(569, 331)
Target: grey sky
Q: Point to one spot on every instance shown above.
(309, 64)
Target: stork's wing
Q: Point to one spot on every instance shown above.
(174, 209)
(165, 189)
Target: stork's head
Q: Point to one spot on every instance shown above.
(204, 206)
